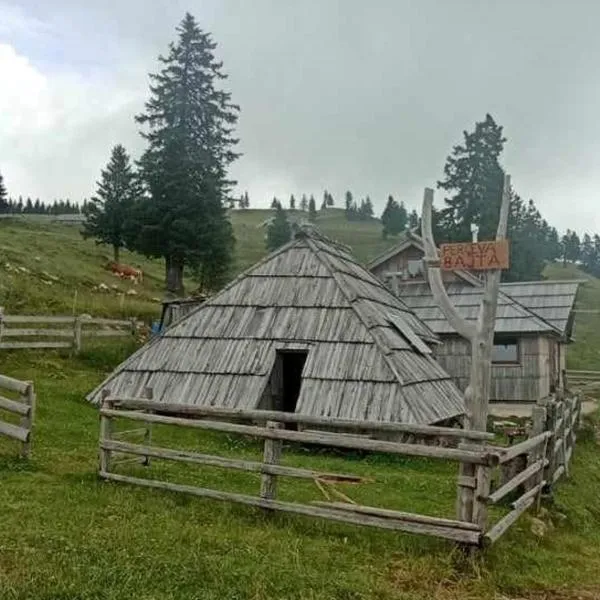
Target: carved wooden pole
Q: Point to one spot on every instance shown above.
(481, 334)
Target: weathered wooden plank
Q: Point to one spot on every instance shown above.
(13, 406)
(33, 345)
(8, 333)
(91, 333)
(14, 431)
(483, 474)
(18, 319)
(329, 439)
(226, 463)
(514, 483)
(113, 322)
(397, 514)
(523, 447)
(285, 417)
(560, 471)
(458, 535)
(125, 432)
(14, 385)
(272, 456)
(106, 429)
(532, 493)
(503, 525)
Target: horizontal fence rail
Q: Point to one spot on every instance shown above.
(262, 416)
(535, 462)
(55, 332)
(22, 407)
(269, 426)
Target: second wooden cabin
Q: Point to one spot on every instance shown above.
(534, 323)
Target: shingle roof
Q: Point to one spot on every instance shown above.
(366, 355)
(554, 301)
(511, 316)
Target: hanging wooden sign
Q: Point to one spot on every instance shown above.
(474, 256)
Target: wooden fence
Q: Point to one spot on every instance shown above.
(32, 331)
(21, 405)
(480, 462)
(583, 381)
(530, 468)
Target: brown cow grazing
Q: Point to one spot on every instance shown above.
(126, 272)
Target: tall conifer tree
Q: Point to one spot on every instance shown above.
(189, 126)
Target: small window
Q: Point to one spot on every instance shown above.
(505, 350)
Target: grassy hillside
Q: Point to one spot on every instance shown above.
(585, 351)
(50, 268)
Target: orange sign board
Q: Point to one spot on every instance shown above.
(476, 256)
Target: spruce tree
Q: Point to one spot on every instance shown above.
(279, 231)
(245, 201)
(312, 209)
(349, 206)
(304, 203)
(394, 217)
(474, 180)
(109, 212)
(4, 206)
(329, 199)
(189, 127)
(292, 202)
(414, 220)
(275, 204)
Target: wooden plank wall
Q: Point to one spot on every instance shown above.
(525, 382)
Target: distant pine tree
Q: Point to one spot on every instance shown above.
(4, 206)
(275, 204)
(312, 209)
(304, 203)
(109, 212)
(279, 231)
(292, 202)
(349, 207)
(394, 218)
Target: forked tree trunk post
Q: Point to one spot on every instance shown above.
(479, 334)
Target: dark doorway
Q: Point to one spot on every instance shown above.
(291, 364)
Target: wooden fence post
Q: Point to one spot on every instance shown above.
(105, 433)
(272, 456)
(483, 476)
(27, 419)
(539, 419)
(467, 483)
(77, 335)
(149, 394)
(551, 416)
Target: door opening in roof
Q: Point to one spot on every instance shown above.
(283, 387)
(291, 364)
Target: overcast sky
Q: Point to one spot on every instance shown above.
(336, 94)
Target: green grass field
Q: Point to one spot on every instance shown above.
(65, 535)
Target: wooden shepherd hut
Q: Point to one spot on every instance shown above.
(534, 322)
(306, 330)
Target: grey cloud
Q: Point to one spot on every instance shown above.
(369, 96)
